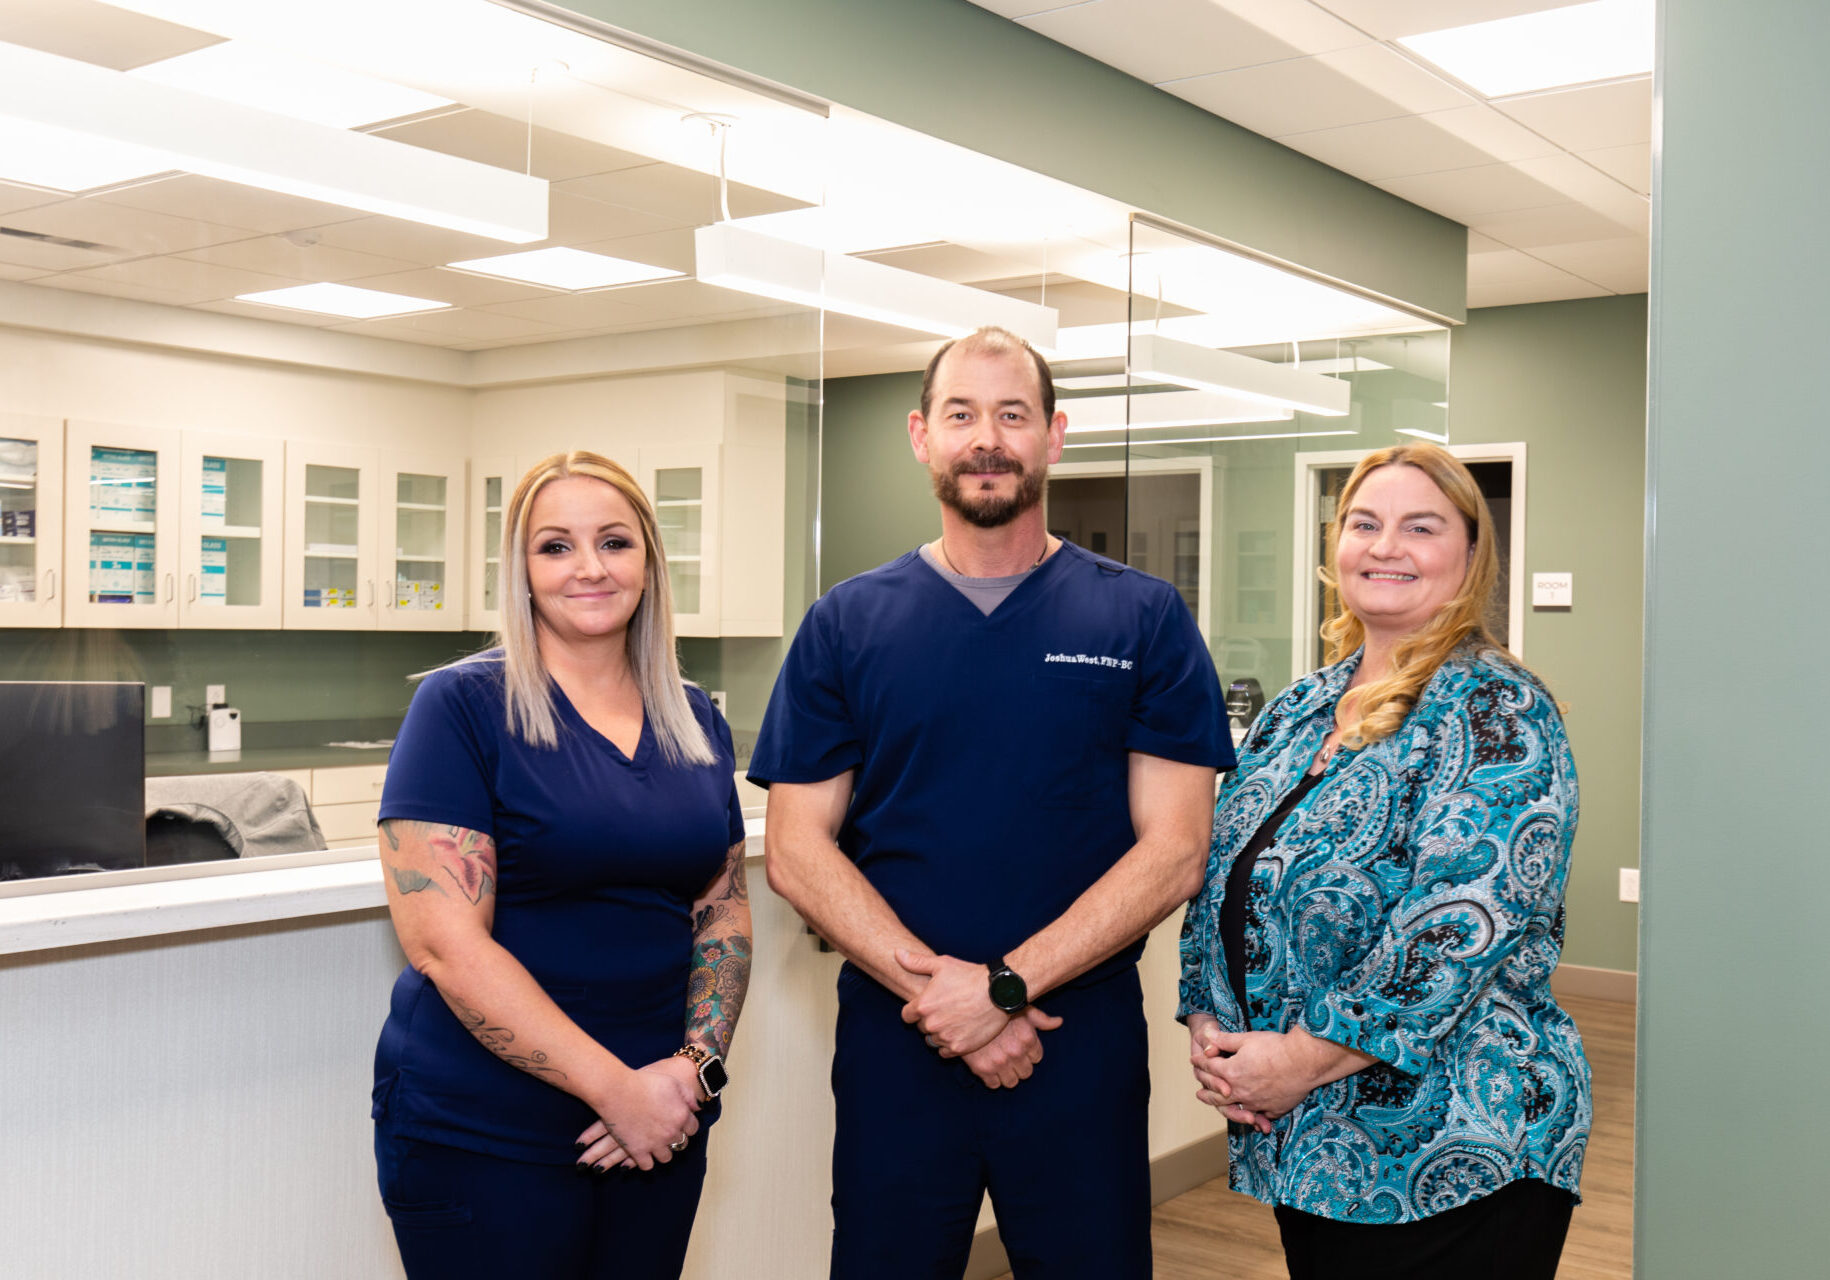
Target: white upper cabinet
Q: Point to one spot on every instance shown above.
(372, 540)
(492, 481)
(121, 517)
(683, 484)
(31, 521)
(229, 519)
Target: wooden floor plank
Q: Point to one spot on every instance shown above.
(1211, 1232)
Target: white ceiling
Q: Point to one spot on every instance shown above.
(1554, 187)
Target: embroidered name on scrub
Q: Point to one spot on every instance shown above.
(1087, 660)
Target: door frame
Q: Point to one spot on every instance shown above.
(1201, 467)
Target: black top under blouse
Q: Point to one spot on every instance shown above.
(1238, 884)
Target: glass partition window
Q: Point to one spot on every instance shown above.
(18, 521)
(333, 524)
(421, 550)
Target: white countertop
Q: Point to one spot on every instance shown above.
(42, 916)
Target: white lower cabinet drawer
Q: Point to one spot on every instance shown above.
(346, 824)
(348, 785)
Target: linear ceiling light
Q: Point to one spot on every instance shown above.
(207, 136)
(571, 269)
(236, 71)
(1577, 44)
(1269, 435)
(342, 300)
(1205, 369)
(732, 257)
(1163, 409)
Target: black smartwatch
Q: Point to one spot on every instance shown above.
(712, 1075)
(1008, 990)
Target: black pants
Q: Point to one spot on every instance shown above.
(1514, 1234)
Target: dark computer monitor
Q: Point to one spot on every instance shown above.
(72, 777)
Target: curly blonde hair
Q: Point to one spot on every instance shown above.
(1465, 620)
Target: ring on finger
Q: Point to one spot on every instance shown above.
(678, 1144)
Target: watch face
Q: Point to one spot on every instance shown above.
(714, 1077)
(1008, 991)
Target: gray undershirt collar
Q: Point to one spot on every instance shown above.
(986, 594)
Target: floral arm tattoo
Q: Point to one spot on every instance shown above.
(467, 858)
(721, 959)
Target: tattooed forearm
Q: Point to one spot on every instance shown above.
(467, 858)
(715, 991)
(500, 1041)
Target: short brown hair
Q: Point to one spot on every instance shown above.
(991, 341)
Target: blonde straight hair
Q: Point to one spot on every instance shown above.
(650, 637)
(1465, 619)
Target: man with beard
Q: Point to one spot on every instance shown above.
(991, 768)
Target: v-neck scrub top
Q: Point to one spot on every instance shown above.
(599, 857)
(992, 751)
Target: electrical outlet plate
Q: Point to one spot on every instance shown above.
(215, 695)
(160, 707)
(1629, 884)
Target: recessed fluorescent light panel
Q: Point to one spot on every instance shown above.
(259, 77)
(1159, 409)
(570, 269)
(1577, 44)
(343, 300)
(1272, 435)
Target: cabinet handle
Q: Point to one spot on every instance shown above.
(370, 583)
(388, 600)
(50, 584)
(190, 588)
(171, 587)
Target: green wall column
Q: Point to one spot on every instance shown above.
(1569, 380)
(961, 73)
(1734, 958)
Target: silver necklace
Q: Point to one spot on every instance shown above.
(941, 545)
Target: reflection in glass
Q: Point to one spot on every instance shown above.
(123, 499)
(18, 521)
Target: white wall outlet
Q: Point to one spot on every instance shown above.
(717, 697)
(215, 695)
(1629, 884)
(161, 706)
(1553, 590)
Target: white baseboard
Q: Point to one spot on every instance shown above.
(1620, 985)
(1180, 1170)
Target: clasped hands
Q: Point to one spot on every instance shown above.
(1255, 1077)
(953, 1009)
(644, 1114)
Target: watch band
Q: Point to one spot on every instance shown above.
(710, 1067)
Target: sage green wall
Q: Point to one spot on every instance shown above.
(1732, 1160)
(955, 71)
(875, 499)
(1569, 379)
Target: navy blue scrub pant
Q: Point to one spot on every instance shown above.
(1064, 1155)
(460, 1214)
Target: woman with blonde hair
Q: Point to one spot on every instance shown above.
(563, 856)
(1366, 975)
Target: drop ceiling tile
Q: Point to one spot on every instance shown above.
(670, 249)
(1587, 185)
(600, 308)
(10, 271)
(684, 197)
(1478, 243)
(182, 280)
(410, 244)
(255, 311)
(1389, 148)
(459, 288)
(1024, 8)
(442, 327)
(1389, 19)
(1296, 96)
(298, 255)
(952, 262)
(46, 255)
(1588, 119)
(1631, 165)
(96, 32)
(128, 232)
(1396, 78)
(1466, 194)
(111, 289)
(573, 219)
(689, 298)
(1308, 28)
(229, 203)
(501, 142)
(14, 197)
(1158, 40)
(1509, 278)
(1499, 136)
(1557, 224)
(1623, 265)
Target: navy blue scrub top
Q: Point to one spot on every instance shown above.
(599, 857)
(992, 750)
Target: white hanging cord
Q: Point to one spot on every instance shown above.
(720, 125)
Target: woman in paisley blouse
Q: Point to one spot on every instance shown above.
(1366, 976)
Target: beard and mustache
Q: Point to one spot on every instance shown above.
(988, 510)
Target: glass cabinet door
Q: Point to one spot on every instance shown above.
(121, 560)
(491, 482)
(330, 579)
(683, 483)
(31, 520)
(229, 524)
(423, 530)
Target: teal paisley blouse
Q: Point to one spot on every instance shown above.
(1411, 908)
